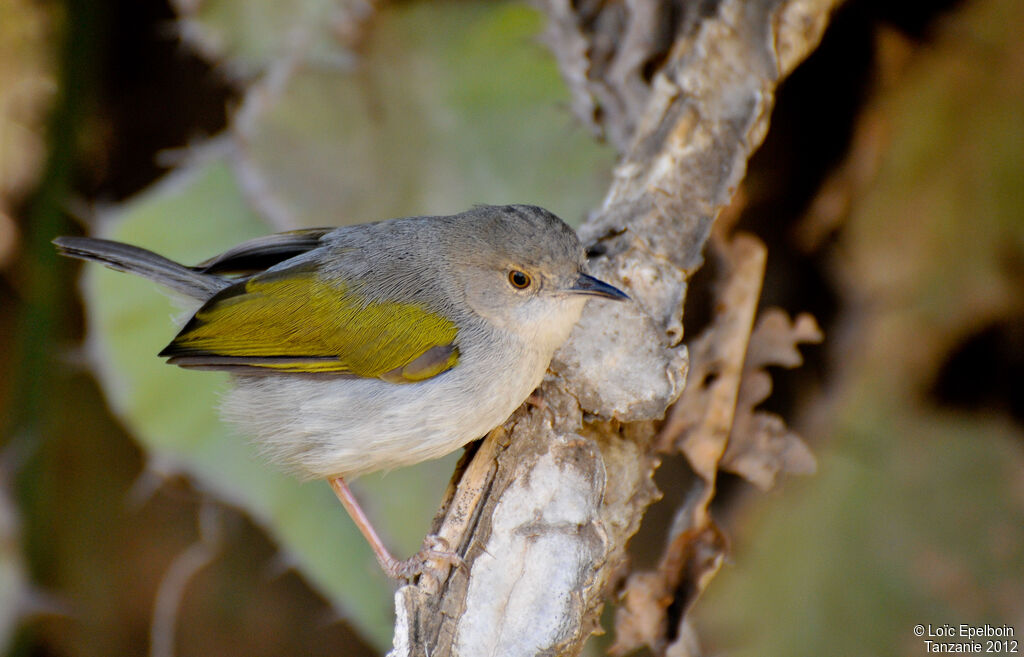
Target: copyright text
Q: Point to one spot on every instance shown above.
(965, 638)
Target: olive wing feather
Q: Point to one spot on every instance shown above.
(293, 321)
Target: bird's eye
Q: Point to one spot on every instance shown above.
(519, 280)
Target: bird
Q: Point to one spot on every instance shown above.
(374, 346)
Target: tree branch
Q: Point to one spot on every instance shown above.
(544, 510)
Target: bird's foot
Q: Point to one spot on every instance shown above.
(435, 556)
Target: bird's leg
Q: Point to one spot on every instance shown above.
(348, 500)
(434, 547)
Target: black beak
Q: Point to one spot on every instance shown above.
(591, 286)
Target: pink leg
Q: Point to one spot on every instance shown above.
(348, 500)
(392, 567)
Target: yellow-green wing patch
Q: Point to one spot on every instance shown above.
(293, 321)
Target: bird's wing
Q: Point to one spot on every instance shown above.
(261, 253)
(292, 320)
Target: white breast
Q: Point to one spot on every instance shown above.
(321, 426)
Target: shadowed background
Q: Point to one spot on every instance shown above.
(887, 192)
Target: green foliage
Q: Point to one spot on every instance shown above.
(434, 121)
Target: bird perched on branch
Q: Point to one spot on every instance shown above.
(379, 345)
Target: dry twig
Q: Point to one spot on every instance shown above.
(544, 529)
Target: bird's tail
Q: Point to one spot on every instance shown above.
(132, 259)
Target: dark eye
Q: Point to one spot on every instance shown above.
(519, 280)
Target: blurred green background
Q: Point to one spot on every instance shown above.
(889, 192)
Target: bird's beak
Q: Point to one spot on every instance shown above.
(591, 286)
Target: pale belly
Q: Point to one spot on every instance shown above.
(321, 427)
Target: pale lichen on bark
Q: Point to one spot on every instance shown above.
(543, 513)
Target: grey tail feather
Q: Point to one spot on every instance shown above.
(132, 259)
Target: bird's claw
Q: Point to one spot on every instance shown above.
(435, 549)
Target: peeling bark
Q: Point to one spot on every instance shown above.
(544, 510)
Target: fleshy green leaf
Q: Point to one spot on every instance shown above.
(435, 122)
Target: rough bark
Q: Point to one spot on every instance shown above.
(544, 509)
